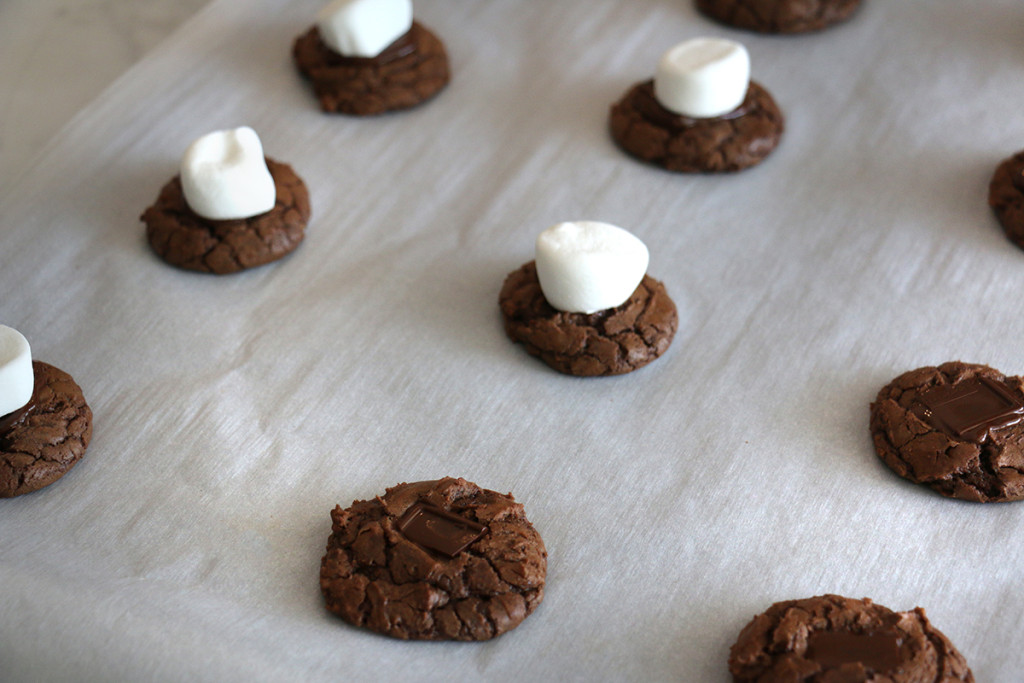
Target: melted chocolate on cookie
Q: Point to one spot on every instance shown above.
(403, 46)
(14, 417)
(970, 409)
(435, 529)
(879, 652)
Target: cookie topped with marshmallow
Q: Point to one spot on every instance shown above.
(585, 305)
(230, 208)
(367, 57)
(700, 113)
(45, 423)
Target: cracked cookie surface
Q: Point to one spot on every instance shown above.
(185, 239)
(1006, 197)
(831, 638)
(375, 576)
(609, 342)
(778, 16)
(985, 466)
(49, 438)
(408, 72)
(644, 129)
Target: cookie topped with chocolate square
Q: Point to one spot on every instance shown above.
(832, 638)
(434, 560)
(957, 428)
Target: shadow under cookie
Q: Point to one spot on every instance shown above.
(778, 16)
(956, 428)
(609, 342)
(186, 240)
(40, 443)
(646, 130)
(407, 73)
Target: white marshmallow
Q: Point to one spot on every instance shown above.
(363, 28)
(586, 266)
(703, 77)
(16, 376)
(224, 175)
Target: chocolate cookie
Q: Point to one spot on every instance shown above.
(434, 560)
(645, 129)
(185, 239)
(778, 16)
(42, 441)
(1006, 197)
(956, 428)
(609, 342)
(408, 72)
(832, 638)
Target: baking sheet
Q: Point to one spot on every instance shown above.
(231, 414)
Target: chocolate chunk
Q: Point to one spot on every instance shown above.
(48, 439)
(778, 16)
(879, 652)
(644, 129)
(832, 638)
(185, 239)
(382, 574)
(609, 342)
(408, 72)
(969, 409)
(433, 528)
(956, 428)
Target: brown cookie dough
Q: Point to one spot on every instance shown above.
(434, 560)
(408, 72)
(185, 239)
(643, 128)
(609, 342)
(1006, 197)
(832, 638)
(778, 16)
(40, 443)
(956, 428)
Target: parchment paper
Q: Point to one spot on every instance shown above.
(232, 413)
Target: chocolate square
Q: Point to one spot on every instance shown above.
(878, 652)
(436, 529)
(970, 409)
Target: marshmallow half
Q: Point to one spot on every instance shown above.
(224, 175)
(363, 28)
(703, 77)
(588, 266)
(17, 379)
